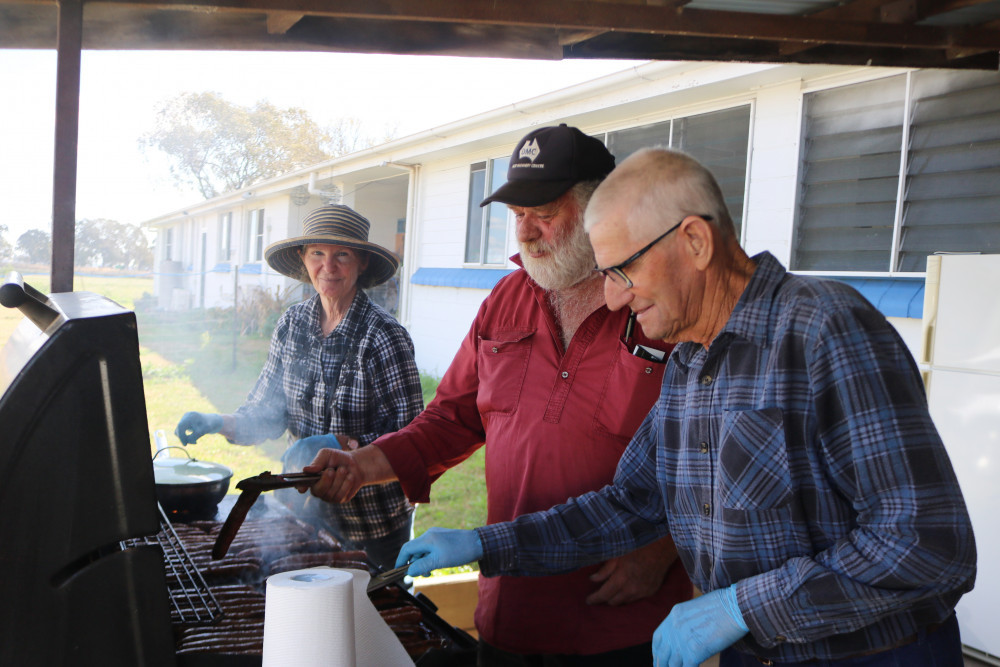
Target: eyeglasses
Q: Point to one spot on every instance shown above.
(617, 273)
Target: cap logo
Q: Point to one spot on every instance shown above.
(529, 150)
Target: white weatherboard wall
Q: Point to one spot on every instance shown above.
(441, 323)
(441, 316)
(770, 200)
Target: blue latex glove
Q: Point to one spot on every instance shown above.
(193, 425)
(698, 629)
(314, 443)
(440, 547)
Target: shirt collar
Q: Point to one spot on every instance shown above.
(750, 318)
(351, 325)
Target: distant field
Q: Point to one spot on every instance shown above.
(188, 364)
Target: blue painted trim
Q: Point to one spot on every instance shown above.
(250, 268)
(469, 278)
(894, 297)
(221, 267)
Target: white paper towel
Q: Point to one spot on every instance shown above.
(374, 641)
(309, 619)
(308, 638)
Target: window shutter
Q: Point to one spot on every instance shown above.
(849, 177)
(720, 141)
(952, 197)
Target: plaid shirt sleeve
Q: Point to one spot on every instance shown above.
(263, 415)
(590, 528)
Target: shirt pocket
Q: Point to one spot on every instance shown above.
(503, 363)
(754, 470)
(630, 390)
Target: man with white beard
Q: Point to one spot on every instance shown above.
(554, 384)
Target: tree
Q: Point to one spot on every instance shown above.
(36, 246)
(6, 250)
(219, 147)
(107, 243)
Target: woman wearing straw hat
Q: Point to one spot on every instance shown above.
(338, 364)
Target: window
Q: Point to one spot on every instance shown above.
(849, 177)
(168, 243)
(255, 235)
(486, 229)
(720, 140)
(896, 169)
(225, 237)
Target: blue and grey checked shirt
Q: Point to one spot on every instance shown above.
(360, 380)
(795, 456)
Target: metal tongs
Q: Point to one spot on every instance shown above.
(388, 577)
(252, 487)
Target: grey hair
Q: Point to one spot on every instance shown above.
(665, 185)
(583, 191)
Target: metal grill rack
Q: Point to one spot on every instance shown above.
(191, 600)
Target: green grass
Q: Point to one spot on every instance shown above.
(191, 362)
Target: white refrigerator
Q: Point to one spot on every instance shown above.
(960, 357)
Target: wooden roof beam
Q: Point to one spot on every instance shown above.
(278, 23)
(894, 11)
(587, 15)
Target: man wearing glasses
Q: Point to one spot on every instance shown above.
(555, 385)
(791, 453)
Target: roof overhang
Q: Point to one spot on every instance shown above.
(909, 33)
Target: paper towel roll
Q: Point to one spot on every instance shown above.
(309, 619)
(293, 634)
(375, 643)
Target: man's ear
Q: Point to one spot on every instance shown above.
(699, 240)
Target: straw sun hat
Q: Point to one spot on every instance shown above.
(336, 225)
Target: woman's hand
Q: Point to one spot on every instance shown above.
(193, 425)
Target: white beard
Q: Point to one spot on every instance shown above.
(570, 260)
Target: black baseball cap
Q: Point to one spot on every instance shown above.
(549, 161)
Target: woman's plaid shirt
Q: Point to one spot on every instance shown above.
(360, 380)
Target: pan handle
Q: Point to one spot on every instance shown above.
(183, 449)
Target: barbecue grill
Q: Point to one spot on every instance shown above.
(92, 571)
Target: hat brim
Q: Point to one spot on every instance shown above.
(529, 193)
(284, 257)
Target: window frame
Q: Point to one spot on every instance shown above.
(225, 245)
(168, 244)
(678, 115)
(489, 168)
(255, 235)
(893, 260)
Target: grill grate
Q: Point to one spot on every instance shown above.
(191, 600)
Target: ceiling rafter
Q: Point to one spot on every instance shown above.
(278, 23)
(625, 17)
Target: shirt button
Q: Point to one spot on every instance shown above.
(565, 374)
(706, 509)
(495, 350)
(649, 370)
(703, 447)
(706, 380)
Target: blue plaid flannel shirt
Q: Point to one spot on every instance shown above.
(795, 456)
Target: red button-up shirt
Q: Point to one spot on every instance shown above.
(555, 422)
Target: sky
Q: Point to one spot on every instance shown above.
(120, 93)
